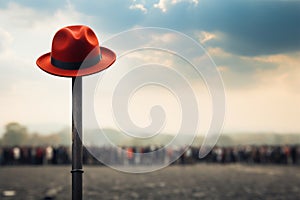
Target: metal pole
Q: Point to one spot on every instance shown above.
(76, 138)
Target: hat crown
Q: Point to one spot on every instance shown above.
(74, 44)
(76, 52)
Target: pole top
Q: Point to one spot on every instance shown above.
(76, 52)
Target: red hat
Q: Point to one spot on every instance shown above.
(76, 52)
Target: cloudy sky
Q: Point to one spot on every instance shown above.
(254, 43)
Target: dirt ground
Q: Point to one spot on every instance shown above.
(202, 181)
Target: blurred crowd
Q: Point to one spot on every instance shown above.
(256, 154)
(34, 155)
(49, 155)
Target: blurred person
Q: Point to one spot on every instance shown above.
(188, 155)
(25, 155)
(138, 151)
(16, 155)
(297, 154)
(7, 156)
(286, 154)
(219, 155)
(146, 159)
(256, 155)
(1, 155)
(33, 155)
(130, 156)
(182, 157)
(232, 155)
(48, 155)
(60, 155)
(39, 155)
(269, 152)
(263, 154)
(54, 156)
(294, 154)
(121, 155)
(277, 154)
(169, 155)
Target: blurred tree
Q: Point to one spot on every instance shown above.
(65, 136)
(37, 140)
(15, 134)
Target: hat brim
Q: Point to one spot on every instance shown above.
(107, 59)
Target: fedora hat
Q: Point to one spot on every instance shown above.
(76, 52)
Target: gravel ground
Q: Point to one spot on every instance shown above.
(202, 181)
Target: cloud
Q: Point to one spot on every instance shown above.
(255, 44)
(5, 42)
(270, 100)
(205, 36)
(249, 28)
(237, 63)
(244, 72)
(46, 5)
(254, 27)
(285, 75)
(27, 93)
(140, 7)
(164, 5)
(113, 16)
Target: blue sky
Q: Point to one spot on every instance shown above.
(254, 43)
